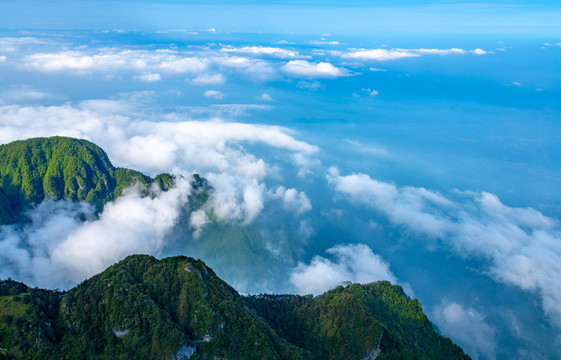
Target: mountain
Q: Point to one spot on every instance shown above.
(177, 308)
(65, 168)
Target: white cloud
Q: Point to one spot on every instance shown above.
(394, 54)
(264, 50)
(235, 199)
(325, 42)
(116, 59)
(479, 51)
(324, 70)
(207, 147)
(293, 201)
(198, 220)
(436, 51)
(58, 248)
(265, 97)
(215, 94)
(11, 44)
(370, 92)
(379, 54)
(522, 245)
(3, 58)
(23, 95)
(255, 69)
(404, 206)
(355, 263)
(468, 328)
(377, 70)
(209, 79)
(149, 77)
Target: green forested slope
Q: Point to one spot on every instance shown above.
(60, 167)
(349, 321)
(177, 308)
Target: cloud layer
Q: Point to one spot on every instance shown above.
(521, 245)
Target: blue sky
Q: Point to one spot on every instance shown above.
(355, 17)
(412, 143)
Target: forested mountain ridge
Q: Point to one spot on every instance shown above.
(177, 308)
(63, 168)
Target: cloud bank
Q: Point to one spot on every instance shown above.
(214, 149)
(521, 245)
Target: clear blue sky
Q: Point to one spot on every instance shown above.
(342, 17)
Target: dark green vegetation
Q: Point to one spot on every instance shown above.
(176, 308)
(347, 322)
(65, 168)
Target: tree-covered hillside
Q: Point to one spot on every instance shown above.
(63, 168)
(177, 308)
(349, 322)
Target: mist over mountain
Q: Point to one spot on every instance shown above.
(335, 142)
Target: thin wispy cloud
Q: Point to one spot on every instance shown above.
(214, 94)
(264, 50)
(469, 328)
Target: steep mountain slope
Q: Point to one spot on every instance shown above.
(60, 167)
(177, 308)
(355, 320)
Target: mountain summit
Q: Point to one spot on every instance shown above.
(177, 308)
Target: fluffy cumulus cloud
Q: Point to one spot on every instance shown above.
(521, 245)
(469, 328)
(310, 70)
(293, 201)
(58, 248)
(355, 263)
(479, 52)
(207, 65)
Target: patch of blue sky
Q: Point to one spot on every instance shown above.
(357, 17)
